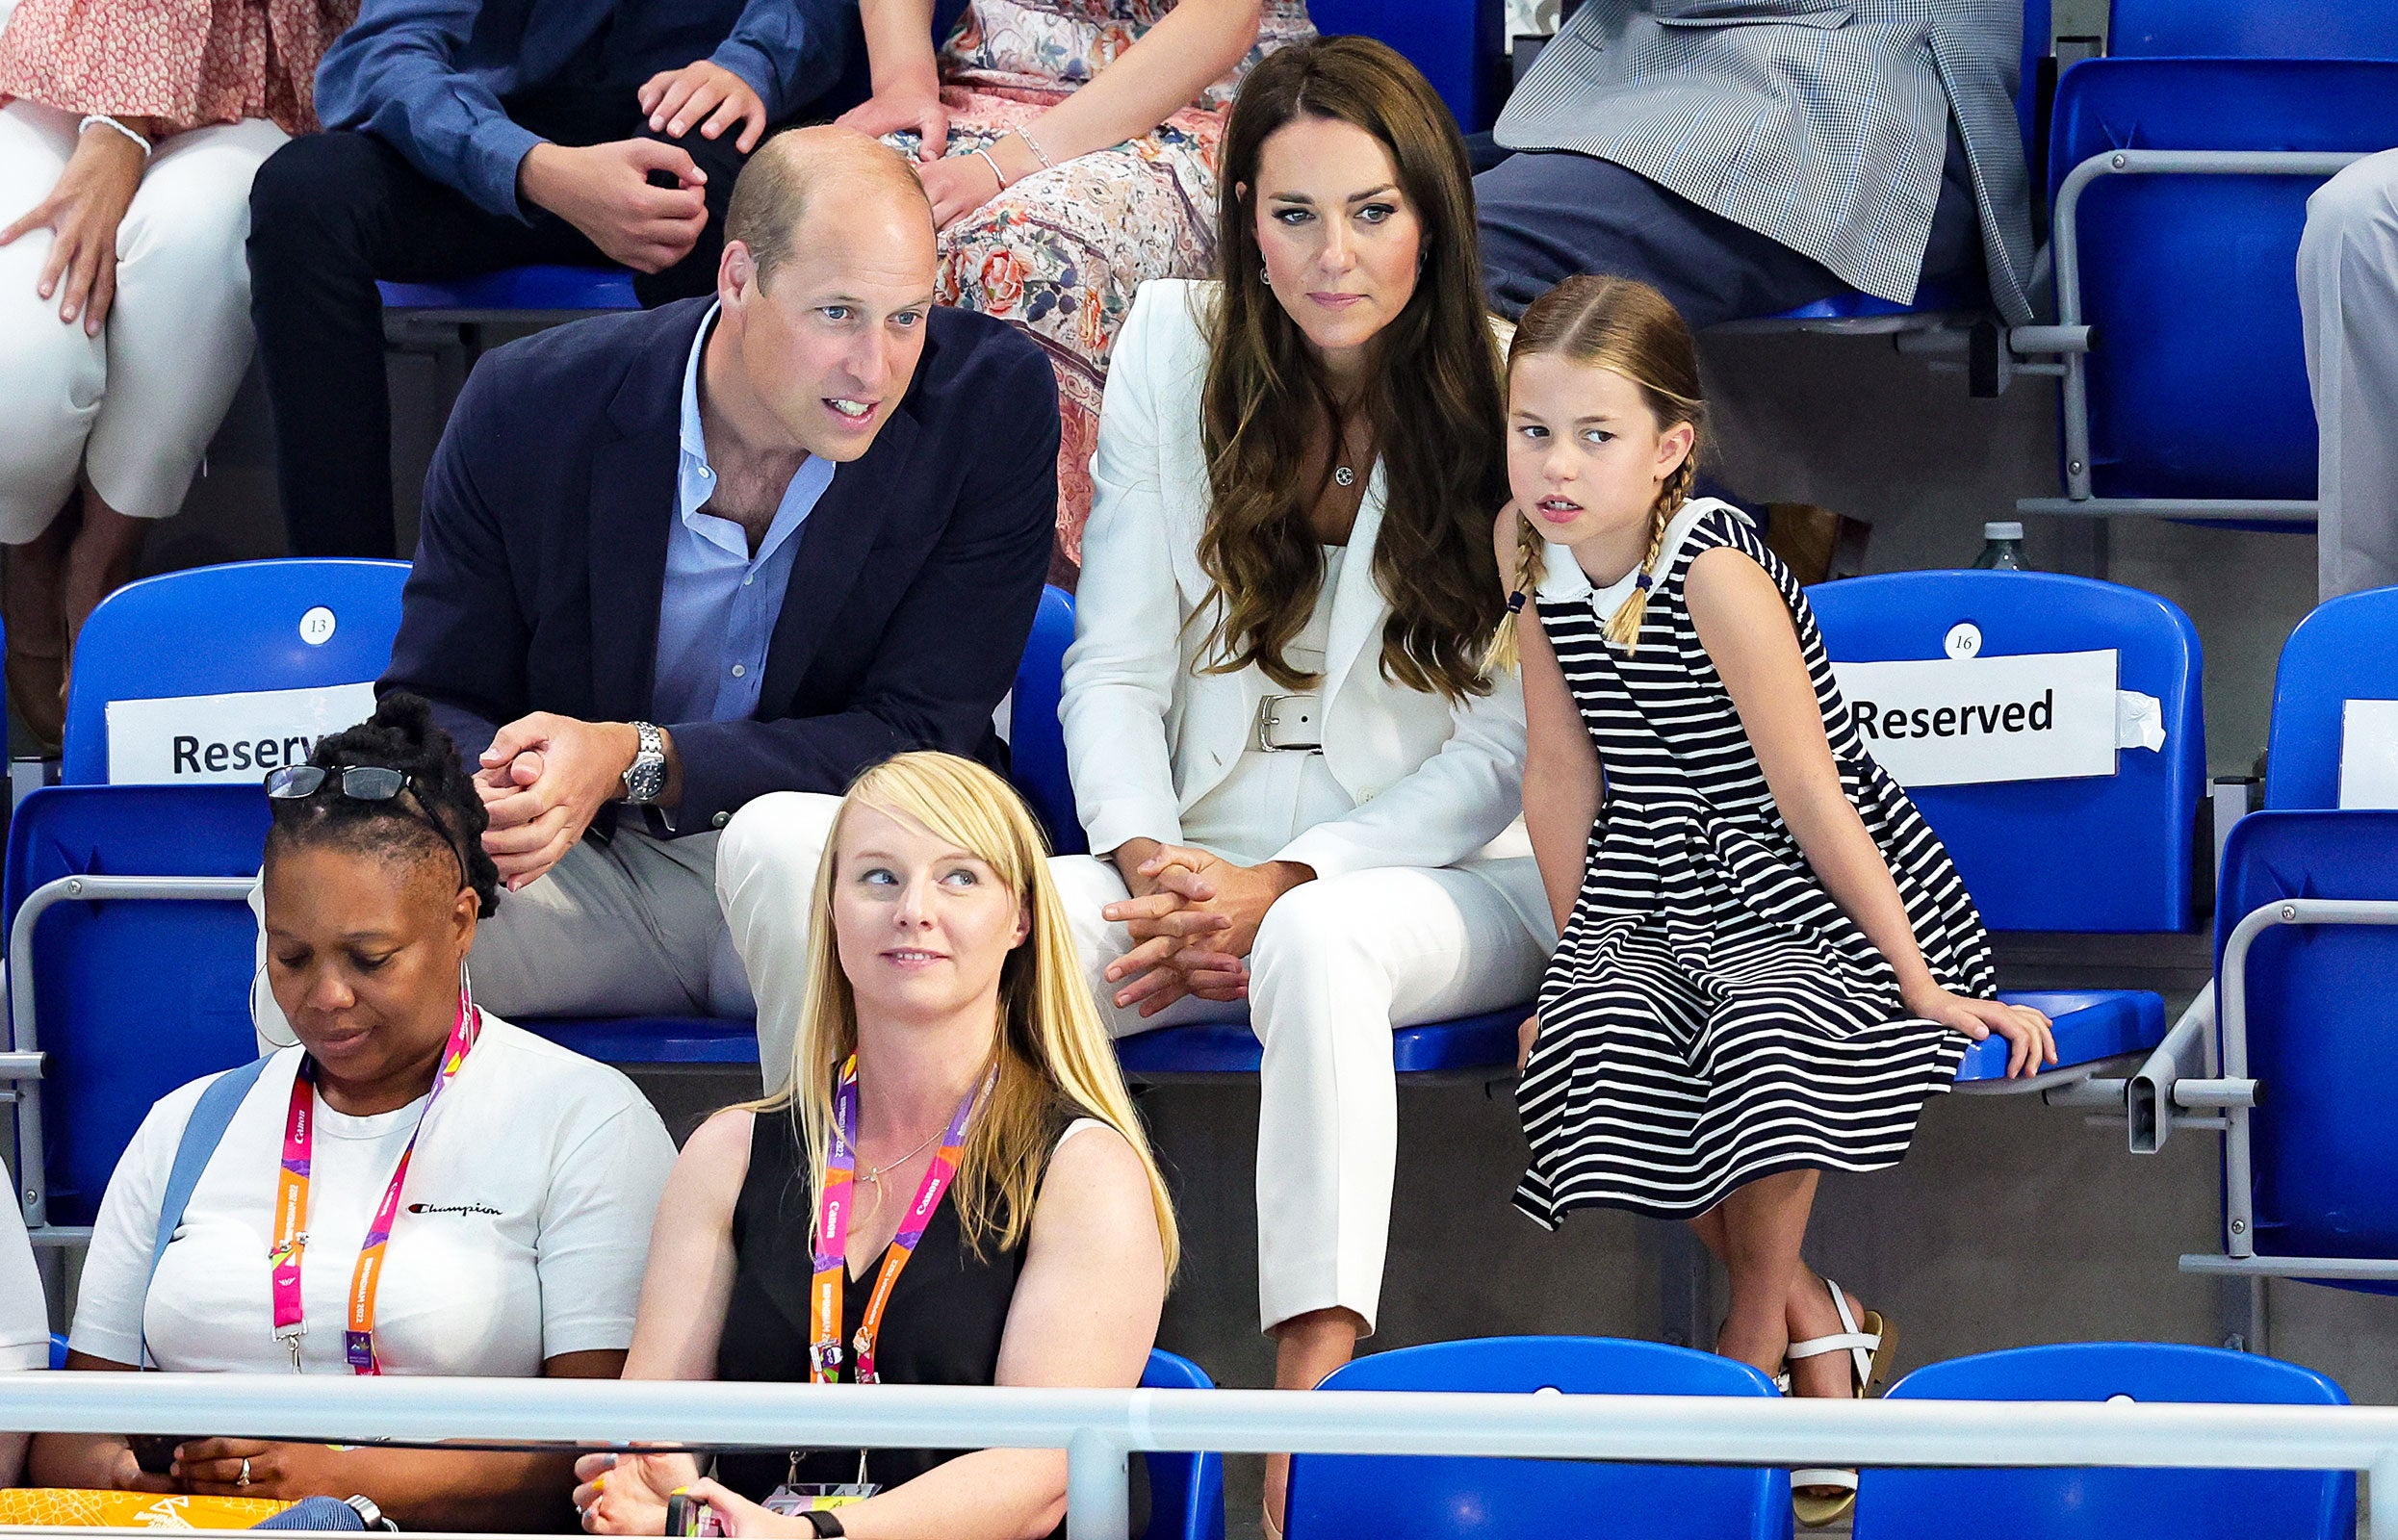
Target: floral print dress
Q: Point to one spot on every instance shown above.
(1060, 252)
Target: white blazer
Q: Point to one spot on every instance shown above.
(1148, 734)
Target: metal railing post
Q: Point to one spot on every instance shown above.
(1098, 1489)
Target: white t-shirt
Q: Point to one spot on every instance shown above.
(521, 1232)
(24, 1318)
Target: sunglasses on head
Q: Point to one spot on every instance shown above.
(360, 782)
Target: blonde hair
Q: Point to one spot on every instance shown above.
(1627, 328)
(1051, 1047)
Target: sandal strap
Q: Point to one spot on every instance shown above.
(1817, 1347)
(1862, 1350)
(1813, 1476)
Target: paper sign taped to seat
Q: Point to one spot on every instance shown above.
(1960, 721)
(2368, 754)
(187, 739)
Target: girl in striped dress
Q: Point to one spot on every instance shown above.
(1767, 961)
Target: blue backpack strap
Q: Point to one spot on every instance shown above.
(211, 1116)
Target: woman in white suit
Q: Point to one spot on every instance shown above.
(1282, 732)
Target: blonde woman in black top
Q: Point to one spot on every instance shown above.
(948, 1027)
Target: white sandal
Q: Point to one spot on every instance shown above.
(1869, 1346)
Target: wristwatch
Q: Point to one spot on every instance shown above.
(646, 776)
(822, 1523)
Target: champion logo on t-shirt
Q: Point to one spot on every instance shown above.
(453, 1208)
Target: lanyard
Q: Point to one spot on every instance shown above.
(290, 1205)
(831, 1238)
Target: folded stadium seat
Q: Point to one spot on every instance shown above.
(517, 291)
(2091, 1504)
(2048, 851)
(1460, 45)
(321, 628)
(1186, 1491)
(2340, 665)
(1038, 751)
(2179, 169)
(1434, 1496)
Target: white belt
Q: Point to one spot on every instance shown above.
(1290, 722)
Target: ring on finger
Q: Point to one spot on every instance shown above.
(244, 1479)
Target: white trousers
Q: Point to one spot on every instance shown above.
(2348, 302)
(1337, 963)
(137, 404)
(765, 883)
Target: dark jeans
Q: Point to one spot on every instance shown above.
(332, 213)
(1548, 214)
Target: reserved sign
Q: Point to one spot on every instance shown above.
(189, 738)
(1960, 721)
(2368, 754)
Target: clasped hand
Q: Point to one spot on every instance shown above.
(1192, 917)
(543, 779)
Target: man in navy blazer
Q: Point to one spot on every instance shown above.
(671, 562)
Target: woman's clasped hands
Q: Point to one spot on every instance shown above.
(1192, 917)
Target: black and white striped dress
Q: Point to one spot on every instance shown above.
(1712, 1015)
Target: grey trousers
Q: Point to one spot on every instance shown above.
(2348, 301)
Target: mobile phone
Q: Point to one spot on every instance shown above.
(155, 1453)
(687, 1515)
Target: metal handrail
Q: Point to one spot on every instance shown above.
(1098, 1428)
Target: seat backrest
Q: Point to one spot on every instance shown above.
(1434, 1494)
(2096, 853)
(1186, 1491)
(2252, 29)
(1460, 45)
(2344, 651)
(252, 626)
(133, 999)
(2112, 1504)
(1036, 743)
(2324, 1171)
(2189, 397)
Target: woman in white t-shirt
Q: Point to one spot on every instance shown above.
(517, 1181)
(24, 1323)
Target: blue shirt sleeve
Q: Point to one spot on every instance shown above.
(790, 52)
(397, 74)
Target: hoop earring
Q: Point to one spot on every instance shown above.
(257, 981)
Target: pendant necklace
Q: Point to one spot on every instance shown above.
(872, 1175)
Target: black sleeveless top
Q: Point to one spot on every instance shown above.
(941, 1327)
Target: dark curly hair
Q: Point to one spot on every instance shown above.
(401, 735)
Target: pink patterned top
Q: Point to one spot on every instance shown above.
(191, 62)
(1051, 47)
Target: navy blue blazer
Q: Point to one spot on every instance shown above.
(541, 558)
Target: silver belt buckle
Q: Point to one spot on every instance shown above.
(1290, 722)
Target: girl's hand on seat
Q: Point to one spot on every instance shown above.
(626, 1493)
(2032, 1037)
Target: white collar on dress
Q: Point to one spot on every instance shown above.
(1562, 581)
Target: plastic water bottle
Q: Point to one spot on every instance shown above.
(2002, 547)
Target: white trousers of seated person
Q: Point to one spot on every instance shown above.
(1337, 964)
(136, 405)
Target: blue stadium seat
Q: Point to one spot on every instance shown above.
(2193, 399)
(2112, 1504)
(2252, 29)
(1471, 1046)
(1186, 1491)
(1460, 45)
(134, 998)
(213, 630)
(58, 1351)
(2345, 650)
(544, 287)
(1434, 1498)
(2305, 1017)
(2097, 854)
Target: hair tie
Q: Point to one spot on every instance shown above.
(1515, 603)
(1644, 582)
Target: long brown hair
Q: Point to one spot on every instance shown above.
(1433, 397)
(1052, 1051)
(1625, 328)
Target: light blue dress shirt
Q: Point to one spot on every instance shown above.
(717, 615)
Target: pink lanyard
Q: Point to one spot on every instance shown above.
(290, 1205)
(831, 1238)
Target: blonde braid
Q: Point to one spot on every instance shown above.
(1623, 627)
(1530, 566)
